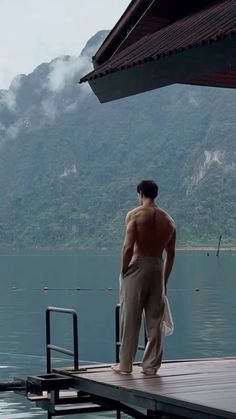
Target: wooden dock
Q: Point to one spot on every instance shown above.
(185, 389)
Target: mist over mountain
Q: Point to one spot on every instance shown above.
(69, 165)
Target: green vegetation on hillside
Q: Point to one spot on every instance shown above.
(71, 181)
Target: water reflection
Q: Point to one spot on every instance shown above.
(201, 294)
(9, 409)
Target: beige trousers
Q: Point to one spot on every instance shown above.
(142, 289)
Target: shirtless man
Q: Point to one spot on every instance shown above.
(144, 277)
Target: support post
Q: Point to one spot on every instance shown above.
(218, 250)
(117, 326)
(48, 342)
(117, 331)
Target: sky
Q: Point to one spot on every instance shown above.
(36, 31)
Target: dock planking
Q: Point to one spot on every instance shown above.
(190, 389)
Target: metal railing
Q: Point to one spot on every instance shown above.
(50, 347)
(117, 333)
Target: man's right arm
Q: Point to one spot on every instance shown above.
(170, 257)
(128, 246)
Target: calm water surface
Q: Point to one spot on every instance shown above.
(201, 293)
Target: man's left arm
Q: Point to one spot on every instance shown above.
(170, 257)
(128, 246)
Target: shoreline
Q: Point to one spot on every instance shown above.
(181, 248)
(206, 248)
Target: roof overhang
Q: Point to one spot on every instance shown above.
(199, 48)
(184, 67)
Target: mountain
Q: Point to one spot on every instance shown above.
(69, 165)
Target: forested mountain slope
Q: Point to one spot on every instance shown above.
(69, 165)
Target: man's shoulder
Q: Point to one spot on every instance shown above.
(166, 215)
(133, 212)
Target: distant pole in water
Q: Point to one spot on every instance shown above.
(218, 250)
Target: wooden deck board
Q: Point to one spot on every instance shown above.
(198, 389)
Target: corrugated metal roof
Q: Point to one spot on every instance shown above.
(117, 33)
(204, 27)
(144, 17)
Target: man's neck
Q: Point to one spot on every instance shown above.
(148, 202)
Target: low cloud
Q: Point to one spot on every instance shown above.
(8, 100)
(63, 70)
(14, 129)
(16, 83)
(8, 97)
(2, 127)
(193, 101)
(49, 109)
(71, 107)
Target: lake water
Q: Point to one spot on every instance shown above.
(201, 293)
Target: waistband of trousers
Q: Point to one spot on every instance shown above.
(147, 259)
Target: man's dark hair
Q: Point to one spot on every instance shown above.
(149, 188)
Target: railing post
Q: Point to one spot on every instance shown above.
(50, 347)
(48, 341)
(75, 335)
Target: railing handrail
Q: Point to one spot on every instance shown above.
(50, 347)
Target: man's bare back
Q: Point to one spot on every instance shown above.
(154, 228)
(149, 231)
